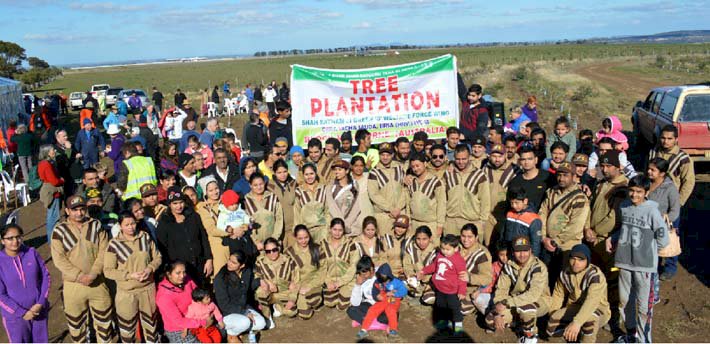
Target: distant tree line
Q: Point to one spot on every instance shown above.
(353, 49)
(12, 57)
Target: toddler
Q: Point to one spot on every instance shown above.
(388, 291)
(448, 286)
(563, 133)
(611, 127)
(230, 214)
(202, 308)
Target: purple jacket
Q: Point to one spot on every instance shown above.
(135, 102)
(531, 113)
(115, 153)
(24, 282)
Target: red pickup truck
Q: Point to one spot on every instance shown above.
(686, 107)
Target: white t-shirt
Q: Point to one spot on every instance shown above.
(362, 293)
(269, 95)
(173, 125)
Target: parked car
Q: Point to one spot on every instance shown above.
(97, 89)
(686, 107)
(126, 93)
(76, 100)
(111, 95)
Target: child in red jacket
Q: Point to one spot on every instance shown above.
(448, 286)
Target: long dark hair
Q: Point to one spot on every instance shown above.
(313, 248)
(313, 167)
(370, 220)
(281, 163)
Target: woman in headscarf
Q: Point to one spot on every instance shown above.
(208, 210)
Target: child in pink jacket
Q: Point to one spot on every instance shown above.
(611, 127)
(202, 308)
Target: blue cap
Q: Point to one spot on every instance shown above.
(581, 251)
(87, 121)
(296, 149)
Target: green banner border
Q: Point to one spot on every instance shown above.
(414, 69)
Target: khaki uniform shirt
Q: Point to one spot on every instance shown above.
(79, 250)
(126, 256)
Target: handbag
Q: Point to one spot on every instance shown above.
(673, 248)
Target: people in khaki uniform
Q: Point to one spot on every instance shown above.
(335, 249)
(278, 274)
(607, 197)
(151, 206)
(681, 168)
(499, 172)
(467, 190)
(478, 151)
(479, 269)
(427, 198)
(323, 163)
(78, 246)
(396, 245)
(309, 206)
(311, 272)
(563, 213)
(387, 193)
(132, 260)
(368, 243)
(419, 253)
(284, 187)
(439, 164)
(521, 291)
(265, 209)
(579, 306)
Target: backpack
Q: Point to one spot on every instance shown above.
(34, 182)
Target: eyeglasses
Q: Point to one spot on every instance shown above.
(279, 154)
(13, 238)
(437, 156)
(274, 250)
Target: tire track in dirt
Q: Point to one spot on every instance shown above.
(631, 85)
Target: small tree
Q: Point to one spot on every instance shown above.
(36, 62)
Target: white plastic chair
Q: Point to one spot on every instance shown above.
(230, 107)
(20, 189)
(211, 109)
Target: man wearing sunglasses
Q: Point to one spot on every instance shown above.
(500, 171)
(78, 246)
(266, 166)
(438, 164)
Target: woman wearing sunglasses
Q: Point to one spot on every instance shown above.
(310, 205)
(278, 274)
(24, 289)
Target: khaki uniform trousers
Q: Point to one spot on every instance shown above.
(309, 303)
(526, 314)
(78, 300)
(135, 305)
(560, 318)
(339, 298)
(278, 299)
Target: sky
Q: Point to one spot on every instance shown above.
(74, 32)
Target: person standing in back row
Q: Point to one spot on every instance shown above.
(157, 99)
(270, 96)
(474, 114)
(680, 167)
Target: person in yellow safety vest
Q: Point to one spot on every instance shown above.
(139, 170)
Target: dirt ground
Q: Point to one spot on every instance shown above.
(682, 316)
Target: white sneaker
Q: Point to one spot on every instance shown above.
(272, 324)
(528, 340)
(276, 313)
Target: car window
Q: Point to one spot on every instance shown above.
(657, 102)
(140, 93)
(668, 105)
(648, 102)
(696, 108)
(100, 88)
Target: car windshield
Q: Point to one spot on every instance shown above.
(696, 108)
(100, 88)
(113, 91)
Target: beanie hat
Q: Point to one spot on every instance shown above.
(229, 198)
(610, 158)
(296, 149)
(581, 251)
(184, 159)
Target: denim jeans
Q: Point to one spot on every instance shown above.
(236, 324)
(53, 217)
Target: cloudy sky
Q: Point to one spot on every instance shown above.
(67, 32)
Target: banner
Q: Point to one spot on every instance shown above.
(388, 101)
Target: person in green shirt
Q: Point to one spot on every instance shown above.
(25, 145)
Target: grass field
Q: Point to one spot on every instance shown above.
(191, 77)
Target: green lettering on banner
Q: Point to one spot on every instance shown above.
(437, 64)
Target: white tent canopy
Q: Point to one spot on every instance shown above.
(10, 100)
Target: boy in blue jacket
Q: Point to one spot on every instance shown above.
(388, 291)
(522, 220)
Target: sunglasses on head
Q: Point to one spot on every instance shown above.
(273, 250)
(174, 196)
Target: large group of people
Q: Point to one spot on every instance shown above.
(166, 231)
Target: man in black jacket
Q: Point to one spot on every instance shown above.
(281, 126)
(157, 99)
(223, 171)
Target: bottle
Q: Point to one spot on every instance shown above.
(252, 337)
